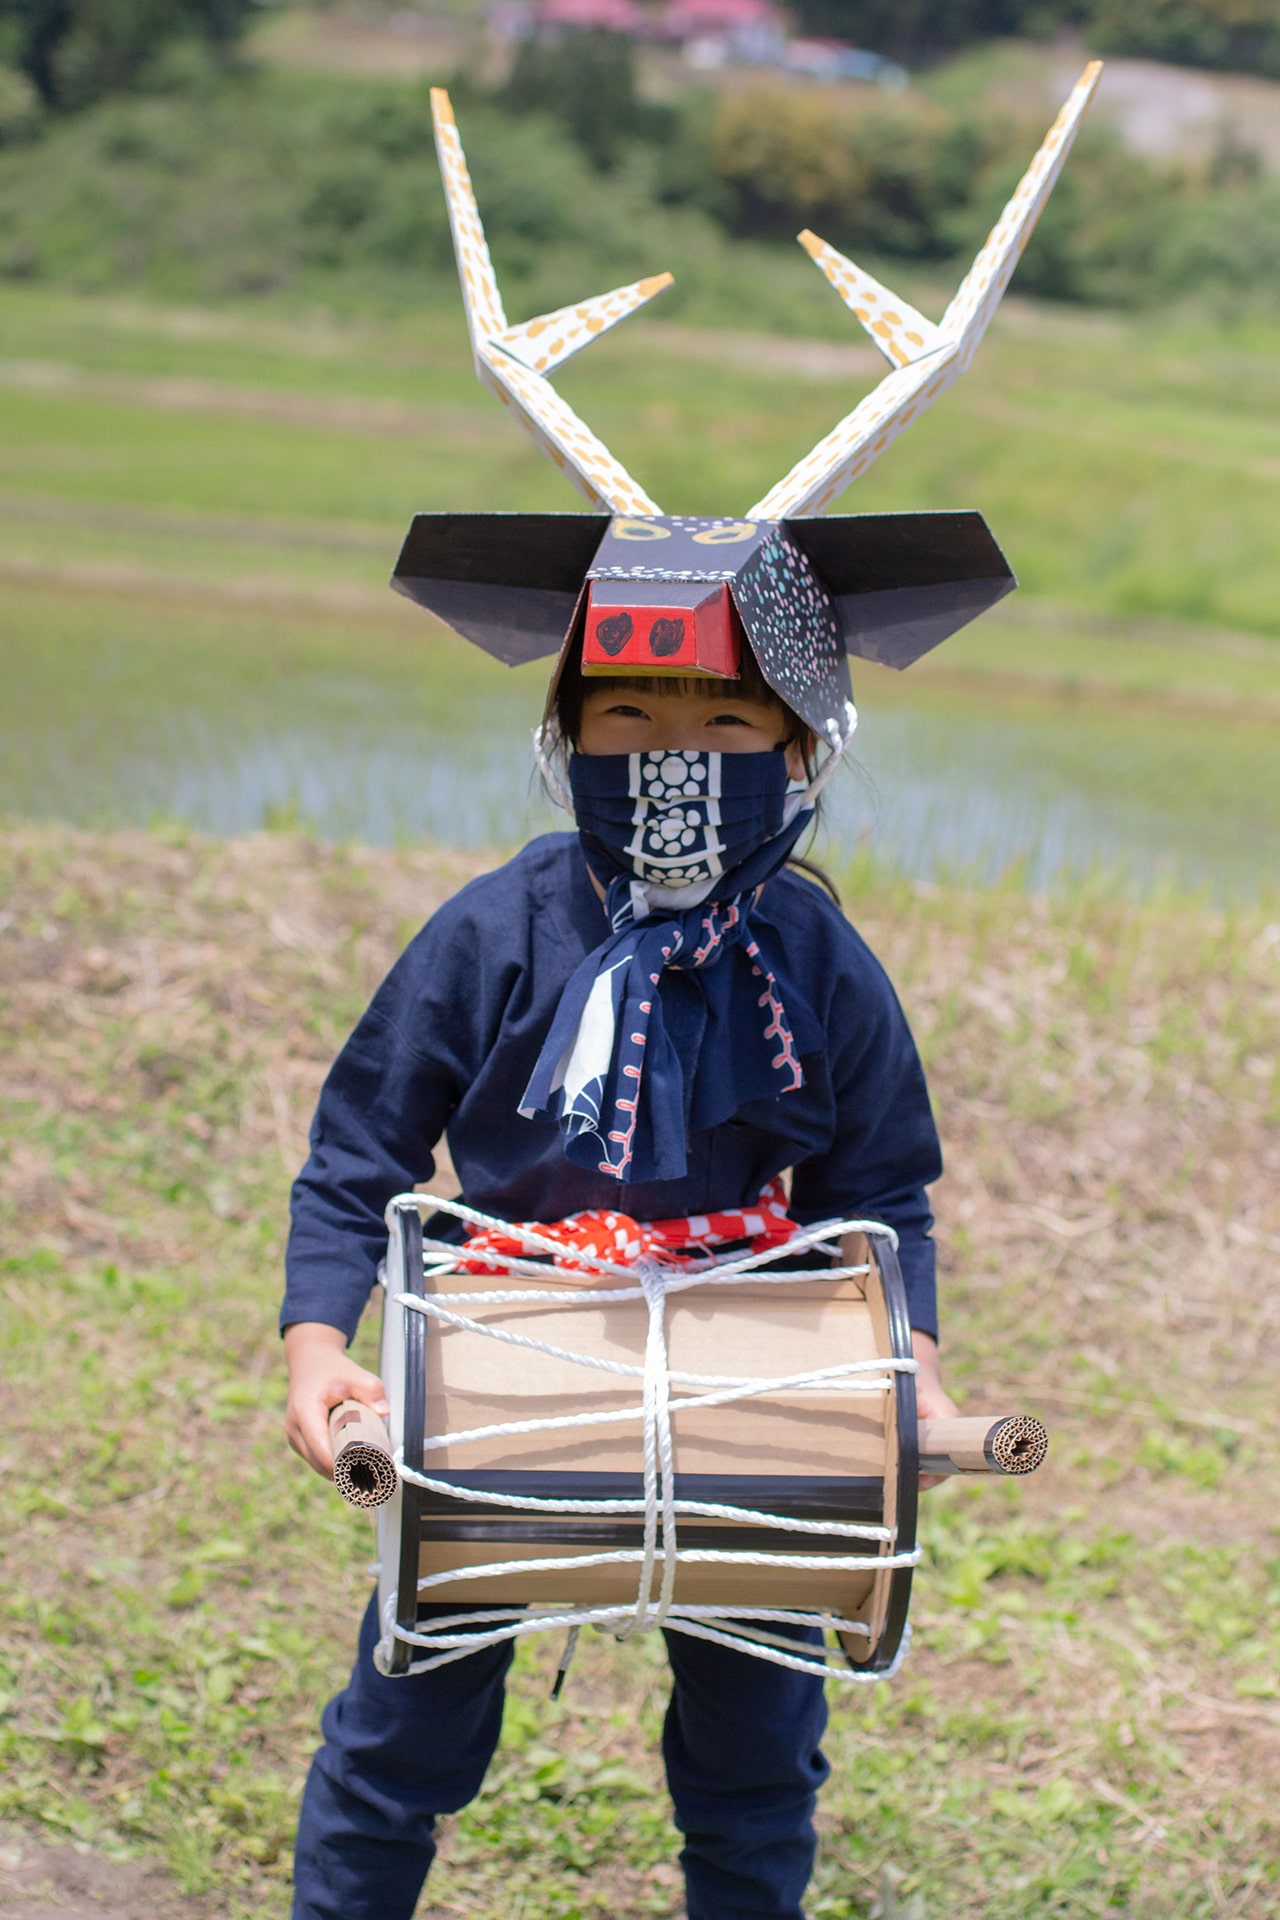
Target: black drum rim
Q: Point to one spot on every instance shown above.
(889, 1645)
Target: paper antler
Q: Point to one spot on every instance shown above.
(513, 361)
(926, 358)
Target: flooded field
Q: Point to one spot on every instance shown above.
(198, 513)
(383, 729)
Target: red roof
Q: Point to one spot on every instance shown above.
(613, 16)
(719, 16)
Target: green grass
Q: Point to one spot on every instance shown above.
(1131, 469)
(1087, 1724)
(200, 510)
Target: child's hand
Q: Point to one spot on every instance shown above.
(933, 1402)
(320, 1375)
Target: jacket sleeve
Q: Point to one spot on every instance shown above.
(382, 1110)
(886, 1151)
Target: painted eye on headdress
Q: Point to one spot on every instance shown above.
(665, 638)
(614, 631)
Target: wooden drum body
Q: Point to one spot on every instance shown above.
(840, 1451)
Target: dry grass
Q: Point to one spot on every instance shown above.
(1088, 1723)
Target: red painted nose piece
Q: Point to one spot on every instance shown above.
(684, 628)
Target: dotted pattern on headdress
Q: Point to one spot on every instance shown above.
(663, 573)
(794, 633)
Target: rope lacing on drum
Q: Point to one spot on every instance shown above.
(745, 1629)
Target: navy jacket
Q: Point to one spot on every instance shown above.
(451, 1038)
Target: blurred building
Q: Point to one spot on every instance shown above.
(708, 33)
(721, 33)
(837, 60)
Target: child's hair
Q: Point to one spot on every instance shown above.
(750, 684)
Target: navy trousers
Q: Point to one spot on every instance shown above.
(740, 1745)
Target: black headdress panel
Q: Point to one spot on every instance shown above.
(904, 582)
(885, 586)
(507, 581)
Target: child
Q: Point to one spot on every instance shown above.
(656, 1014)
(453, 1037)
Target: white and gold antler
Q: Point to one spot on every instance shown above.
(513, 361)
(926, 359)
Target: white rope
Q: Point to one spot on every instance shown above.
(780, 1383)
(467, 1436)
(551, 776)
(800, 1242)
(702, 1509)
(804, 1240)
(838, 740)
(660, 1550)
(610, 1296)
(646, 1556)
(698, 1622)
(659, 1462)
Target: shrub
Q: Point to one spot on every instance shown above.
(883, 178)
(1099, 235)
(78, 51)
(1242, 35)
(786, 155)
(276, 182)
(1224, 245)
(19, 108)
(918, 31)
(586, 81)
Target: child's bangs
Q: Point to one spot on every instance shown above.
(749, 684)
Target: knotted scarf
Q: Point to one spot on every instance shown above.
(603, 1235)
(681, 842)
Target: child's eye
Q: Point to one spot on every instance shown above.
(729, 720)
(628, 713)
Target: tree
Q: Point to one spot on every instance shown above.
(1240, 35)
(585, 80)
(75, 51)
(920, 31)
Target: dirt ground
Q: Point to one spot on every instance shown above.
(71, 1882)
(1176, 113)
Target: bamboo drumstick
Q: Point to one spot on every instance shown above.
(363, 1470)
(979, 1443)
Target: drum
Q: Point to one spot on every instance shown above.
(725, 1446)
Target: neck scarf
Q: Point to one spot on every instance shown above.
(601, 1234)
(681, 842)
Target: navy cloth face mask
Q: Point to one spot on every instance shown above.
(678, 820)
(680, 841)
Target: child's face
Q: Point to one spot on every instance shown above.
(620, 719)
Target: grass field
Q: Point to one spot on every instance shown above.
(1132, 469)
(1087, 1725)
(200, 509)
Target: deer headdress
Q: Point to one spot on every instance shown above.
(651, 593)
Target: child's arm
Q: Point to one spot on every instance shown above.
(384, 1104)
(321, 1373)
(933, 1402)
